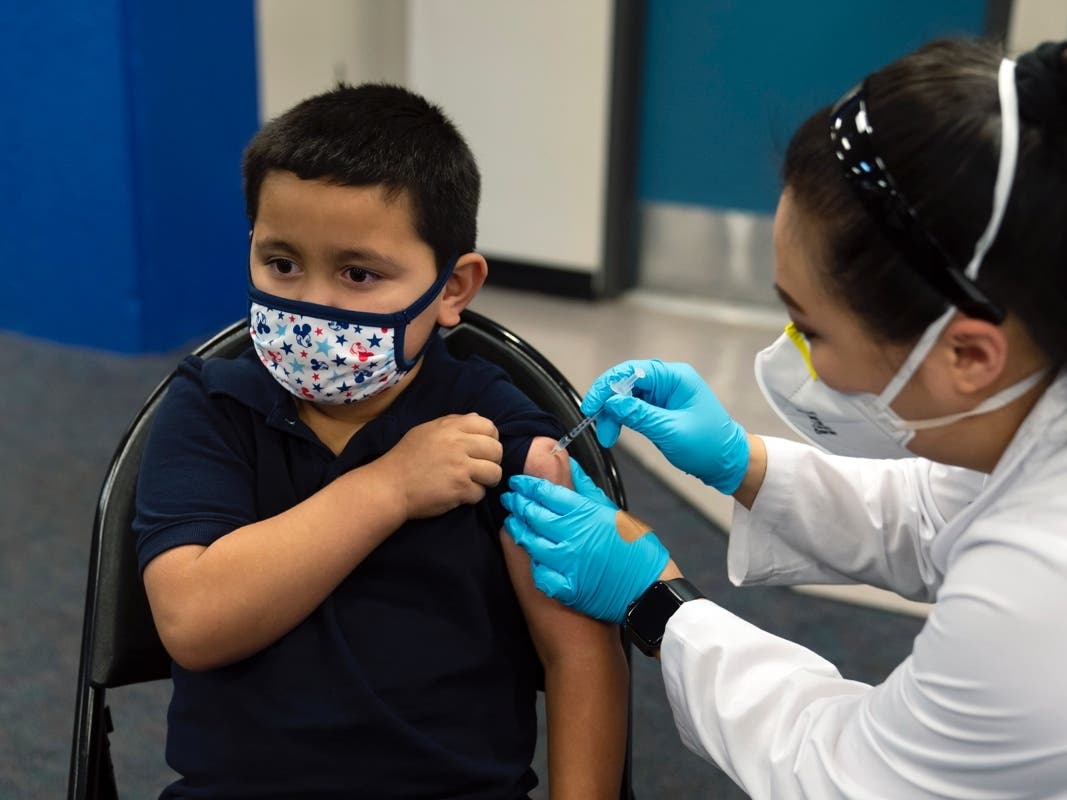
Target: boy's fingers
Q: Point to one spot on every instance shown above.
(485, 472)
(476, 423)
(485, 447)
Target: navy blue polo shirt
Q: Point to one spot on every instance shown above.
(416, 677)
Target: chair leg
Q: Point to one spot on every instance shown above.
(102, 770)
(92, 775)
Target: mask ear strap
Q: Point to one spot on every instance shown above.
(997, 401)
(427, 297)
(416, 308)
(917, 355)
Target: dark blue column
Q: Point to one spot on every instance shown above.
(121, 128)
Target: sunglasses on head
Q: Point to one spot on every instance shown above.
(852, 138)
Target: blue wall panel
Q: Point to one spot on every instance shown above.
(120, 161)
(66, 226)
(193, 72)
(727, 81)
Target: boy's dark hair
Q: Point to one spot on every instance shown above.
(377, 134)
(937, 117)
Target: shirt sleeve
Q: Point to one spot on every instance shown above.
(518, 421)
(976, 711)
(820, 518)
(196, 481)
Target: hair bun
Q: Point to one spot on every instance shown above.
(1041, 81)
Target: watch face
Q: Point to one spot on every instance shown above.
(648, 617)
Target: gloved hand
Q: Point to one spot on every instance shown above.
(577, 555)
(674, 408)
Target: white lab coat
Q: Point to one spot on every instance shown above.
(979, 708)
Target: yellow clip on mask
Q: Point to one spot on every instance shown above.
(797, 338)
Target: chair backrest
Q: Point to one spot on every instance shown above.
(120, 644)
(120, 640)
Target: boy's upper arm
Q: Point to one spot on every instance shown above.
(555, 629)
(519, 422)
(195, 483)
(542, 463)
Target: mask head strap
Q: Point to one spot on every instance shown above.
(1009, 152)
(852, 138)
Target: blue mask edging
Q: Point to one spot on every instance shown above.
(397, 320)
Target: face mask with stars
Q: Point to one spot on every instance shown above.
(329, 355)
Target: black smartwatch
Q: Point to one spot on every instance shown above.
(646, 618)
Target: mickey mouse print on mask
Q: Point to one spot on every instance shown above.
(330, 355)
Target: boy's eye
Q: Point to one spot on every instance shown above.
(359, 275)
(282, 266)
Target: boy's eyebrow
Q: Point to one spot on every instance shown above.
(271, 243)
(362, 254)
(787, 299)
(367, 255)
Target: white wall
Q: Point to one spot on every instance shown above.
(526, 82)
(303, 48)
(1036, 21)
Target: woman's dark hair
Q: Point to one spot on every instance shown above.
(376, 134)
(936, 116)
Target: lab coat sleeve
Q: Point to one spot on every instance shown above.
(976, 711)
(820, 518)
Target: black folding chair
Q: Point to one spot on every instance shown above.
(120, 645)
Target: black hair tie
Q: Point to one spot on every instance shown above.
(1041, 83)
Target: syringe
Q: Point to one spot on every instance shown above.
(623, 386)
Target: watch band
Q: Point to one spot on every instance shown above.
(647, 616)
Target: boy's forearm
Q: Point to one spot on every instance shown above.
(586, 699)
(218, 604)
(254, 585)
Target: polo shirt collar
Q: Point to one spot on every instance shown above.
(247, 381)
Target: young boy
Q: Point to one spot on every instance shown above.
(319, 550)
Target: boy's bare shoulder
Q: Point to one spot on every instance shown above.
(542, 463)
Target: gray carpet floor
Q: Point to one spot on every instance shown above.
(65, 409)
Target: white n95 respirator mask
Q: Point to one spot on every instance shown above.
(857, 424)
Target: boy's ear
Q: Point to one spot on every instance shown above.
(464, 282)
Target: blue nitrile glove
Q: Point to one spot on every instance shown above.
(676, 410)
(577, 555)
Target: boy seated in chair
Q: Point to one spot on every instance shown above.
(317, 524)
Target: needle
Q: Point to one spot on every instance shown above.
(624, 386)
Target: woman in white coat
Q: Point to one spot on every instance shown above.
(921, 253)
